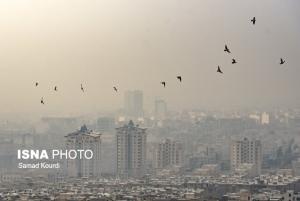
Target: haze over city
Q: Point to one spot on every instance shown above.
(158, 100)
(137, 44)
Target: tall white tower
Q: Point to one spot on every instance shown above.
(84, 139)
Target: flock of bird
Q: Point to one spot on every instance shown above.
(227, 50)
(253, 20)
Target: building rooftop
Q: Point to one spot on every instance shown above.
(131, 126)
(84, 131)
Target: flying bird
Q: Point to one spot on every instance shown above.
(42, 101)
(36, 84)
(233, 61)
(115, 88)
(219, 70)
(282, 61)
(55, 88)
(253, 20)
(163, 83)
(82, 89)
(179, 78)
(226, 49)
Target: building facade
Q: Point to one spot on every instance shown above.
(169, 153)
(131, 150)
(296, 167)
(84, 139)
(246, 152)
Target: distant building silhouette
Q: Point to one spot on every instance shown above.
(133, 103)
(131, 151)
(160, 110)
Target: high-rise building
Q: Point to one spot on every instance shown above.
(84, 139)
(169, 153)
(160, 109)
(133, 103)
(296, 167)
(131, 150)
(265, 118)
(246, 152)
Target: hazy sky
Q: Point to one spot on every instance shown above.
(135, 44)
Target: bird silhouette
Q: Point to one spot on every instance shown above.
(253, 20)
(82, 89)
(164, 84)
(233, 61)
(42, 101)
(36, 84)
(226, 49)
(179, 78)
(282, 61)
(219, 70)
(55, 88)
(115, 88)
